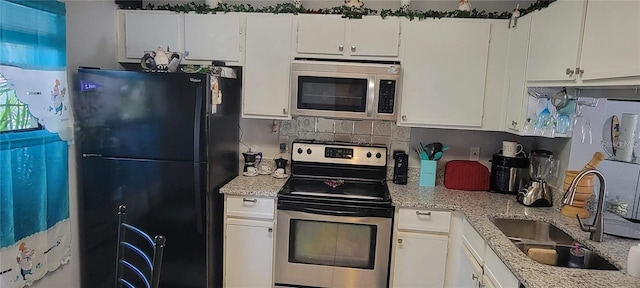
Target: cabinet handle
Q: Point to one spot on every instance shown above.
(249, 200)
(399, 241)
(474, 277)
(284, 111)
(341, 47)
(270, 230)
(579, 71)
(404, 118)
(353, 48)
(569, 72)
(428, 213)
(514, 123)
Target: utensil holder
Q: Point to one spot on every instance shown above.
(428, 173)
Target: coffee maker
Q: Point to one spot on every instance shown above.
(537, 194)
(281, 163)
(251, 161)
(508, 174)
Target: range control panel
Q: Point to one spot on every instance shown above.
(339, 154)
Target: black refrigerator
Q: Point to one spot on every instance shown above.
(162, 145)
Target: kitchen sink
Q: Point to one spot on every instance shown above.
(526, 234)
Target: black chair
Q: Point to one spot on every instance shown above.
(149, 276)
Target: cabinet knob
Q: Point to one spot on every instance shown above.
(353, 48)
(514, 123)
(270, 230)
(579, 71)
(404, 118)
(399, 241)
(341, 47)
(428, 213)
(284, 111)
(474, 277)
(569, 72)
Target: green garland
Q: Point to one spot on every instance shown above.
(345, 11)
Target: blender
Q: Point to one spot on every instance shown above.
(537, 194)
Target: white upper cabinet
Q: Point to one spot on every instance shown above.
(206, 37)
(611, 42)
(330, 36)
(267, 70)
(212, 37)
(444, 66)
(146, 30)
(516, 68)
(555, 41)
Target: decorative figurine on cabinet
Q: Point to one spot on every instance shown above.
(298, 3)
(354, 3)
(513, 21)
(463, 5)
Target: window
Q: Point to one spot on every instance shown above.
(14, 115)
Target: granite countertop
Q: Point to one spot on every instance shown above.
(479, 207)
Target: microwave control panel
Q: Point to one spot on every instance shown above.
(386, 96)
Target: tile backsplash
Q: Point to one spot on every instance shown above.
(353, 131)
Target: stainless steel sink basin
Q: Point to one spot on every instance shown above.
(517, 229)
(532, 233)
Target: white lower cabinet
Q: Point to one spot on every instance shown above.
(249, 241)
(420, 248)
(470, 271)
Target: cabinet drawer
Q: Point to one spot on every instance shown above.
(424, 220)
(250, 207)
(473, 241)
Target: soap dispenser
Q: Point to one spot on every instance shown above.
(633, 261)
(576, 257)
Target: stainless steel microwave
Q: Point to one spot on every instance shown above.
(345, 90)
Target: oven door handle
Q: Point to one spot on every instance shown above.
(333, 212)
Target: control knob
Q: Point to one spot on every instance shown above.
(299, 150)
(308, 150)
(368, 154)
(378, 155)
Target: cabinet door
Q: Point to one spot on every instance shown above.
(373, 36)
(469, 272)
(611, 42)
(444, 72)
(212, 37)
(420, 260)
(321, 34)
(555, 40)
(497, 271)
(248, 253)
(516, 69)
(267, 70)
(145, 31)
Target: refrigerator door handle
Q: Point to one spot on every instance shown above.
(196, 124)
(91, 155)
(198, 198)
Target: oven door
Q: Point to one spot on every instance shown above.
(333, 94)
(320, 246)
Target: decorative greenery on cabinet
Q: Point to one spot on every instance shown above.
(346, 11)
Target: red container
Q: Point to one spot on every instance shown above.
(466, 175)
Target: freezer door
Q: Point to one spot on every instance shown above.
(141, 115)
(622, 184)
(162, 198)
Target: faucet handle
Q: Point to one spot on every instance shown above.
(585, 228)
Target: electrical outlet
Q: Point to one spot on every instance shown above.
(474, 154)
(283, 147)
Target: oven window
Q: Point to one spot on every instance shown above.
(332, 244)
(330, 93)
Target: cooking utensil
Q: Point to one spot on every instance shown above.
(430, 150)
(560, 99)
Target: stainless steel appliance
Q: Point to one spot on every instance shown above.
(155, 143)
(508, 174)
(334, 217)
(345, 90)
(537, 193)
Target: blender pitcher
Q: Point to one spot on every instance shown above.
(537, 194)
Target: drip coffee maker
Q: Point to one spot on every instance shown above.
(251, 161)
(281, 168)
(537, 194)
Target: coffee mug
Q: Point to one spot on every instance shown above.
(279, 172)
(252, 170)
(511, 149)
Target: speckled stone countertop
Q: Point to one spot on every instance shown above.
(479, 207)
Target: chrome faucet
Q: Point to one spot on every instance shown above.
(597, 228)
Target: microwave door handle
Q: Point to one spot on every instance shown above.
(371, 95)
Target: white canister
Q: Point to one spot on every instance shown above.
(633, 261)
(626, 140)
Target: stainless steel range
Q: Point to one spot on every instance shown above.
(334, 217)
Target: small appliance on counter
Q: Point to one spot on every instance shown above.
(508, 174)
(400, 167)
(281, 168)
(537, 194)
(466, 175)
(251, 161)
